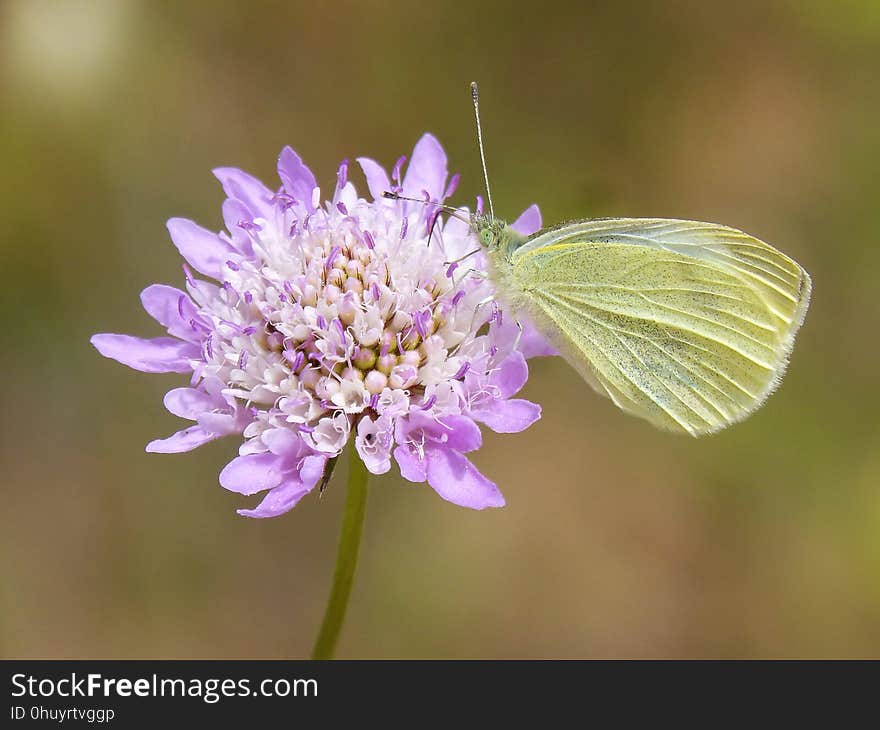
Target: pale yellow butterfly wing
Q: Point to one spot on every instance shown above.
(688, 325)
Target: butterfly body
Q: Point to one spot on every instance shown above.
(686, 324)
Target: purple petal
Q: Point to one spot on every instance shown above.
(511, 374)
(252, 473)
(533, 344)
(377, 178)
(427, 169)
(312, 469)
(509, 416)
(221, 423)
(457, 229)
(173, 309)
(297, 178)
(529, 221)
(206, 252)
(411, 466)
(373, 443)
(283, 442)
(251, 192)
(215, 386)
(185, 440)
(190, 402)
(403, 426)
(295, 485)
(278, 501)
(461, 434)
(159, 355)
(375, 463)
(457, 480)
(234, 213)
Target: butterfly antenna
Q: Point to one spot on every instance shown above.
(476, 97)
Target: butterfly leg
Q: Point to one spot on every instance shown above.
(462, 258)
(479, 305)
(519, 334)
(482, 303)
(475, 272)
(434, 218)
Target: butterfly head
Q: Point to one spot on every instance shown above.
(490, 231)
(495, 234)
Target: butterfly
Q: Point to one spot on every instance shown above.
(688, 325)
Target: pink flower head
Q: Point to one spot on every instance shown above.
(309, 323)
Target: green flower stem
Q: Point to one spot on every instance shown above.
(346, 557)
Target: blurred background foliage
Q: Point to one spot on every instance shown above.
(618, 541)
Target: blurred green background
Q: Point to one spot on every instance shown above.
(617, 541)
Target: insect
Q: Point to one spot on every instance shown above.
(688, 325)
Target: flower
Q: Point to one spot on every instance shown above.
(306, 324)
